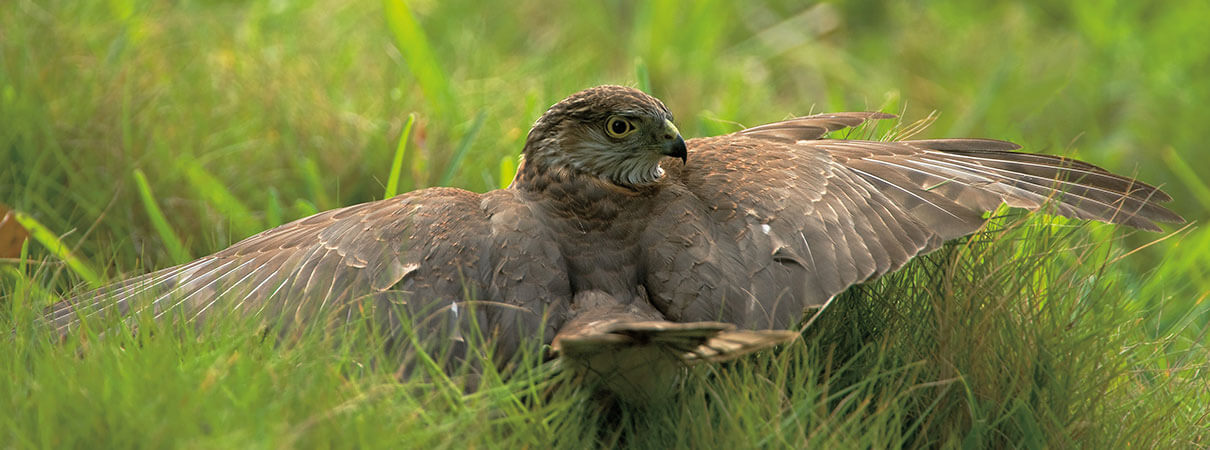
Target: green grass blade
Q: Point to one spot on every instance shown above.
(419, 55)
(315, 184)
(273, 211)
(51, 241)
(1185, 172)
(642, 75)
(397, 163)
(176, 249)
(463, 147)
(508, 169)
(241, 219)
(24, 257)
(304, 208)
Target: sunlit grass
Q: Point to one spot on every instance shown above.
(243, 115)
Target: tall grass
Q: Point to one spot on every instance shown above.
(987, 343)
(241, 116)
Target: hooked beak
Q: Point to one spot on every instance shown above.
(674, 145)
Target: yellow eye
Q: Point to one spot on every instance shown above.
(618, 127)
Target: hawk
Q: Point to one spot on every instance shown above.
(628, 249)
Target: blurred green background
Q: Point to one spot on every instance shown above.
(146, 133)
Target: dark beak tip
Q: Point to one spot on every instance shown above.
(678, 150)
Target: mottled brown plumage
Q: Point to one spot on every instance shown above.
(626, 256)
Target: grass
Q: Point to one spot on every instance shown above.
(243, 115)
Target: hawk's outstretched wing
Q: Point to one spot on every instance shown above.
(429, 254)
(763, 223)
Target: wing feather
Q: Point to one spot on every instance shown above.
(423, 251)
(833, 213)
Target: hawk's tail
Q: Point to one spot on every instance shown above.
(691, 343)
(642, 360)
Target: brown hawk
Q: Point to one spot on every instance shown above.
(628, 249)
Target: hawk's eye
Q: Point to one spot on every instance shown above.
(619, 127)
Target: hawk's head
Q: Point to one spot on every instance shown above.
(613, 132)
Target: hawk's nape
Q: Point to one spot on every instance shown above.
(613, 248)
